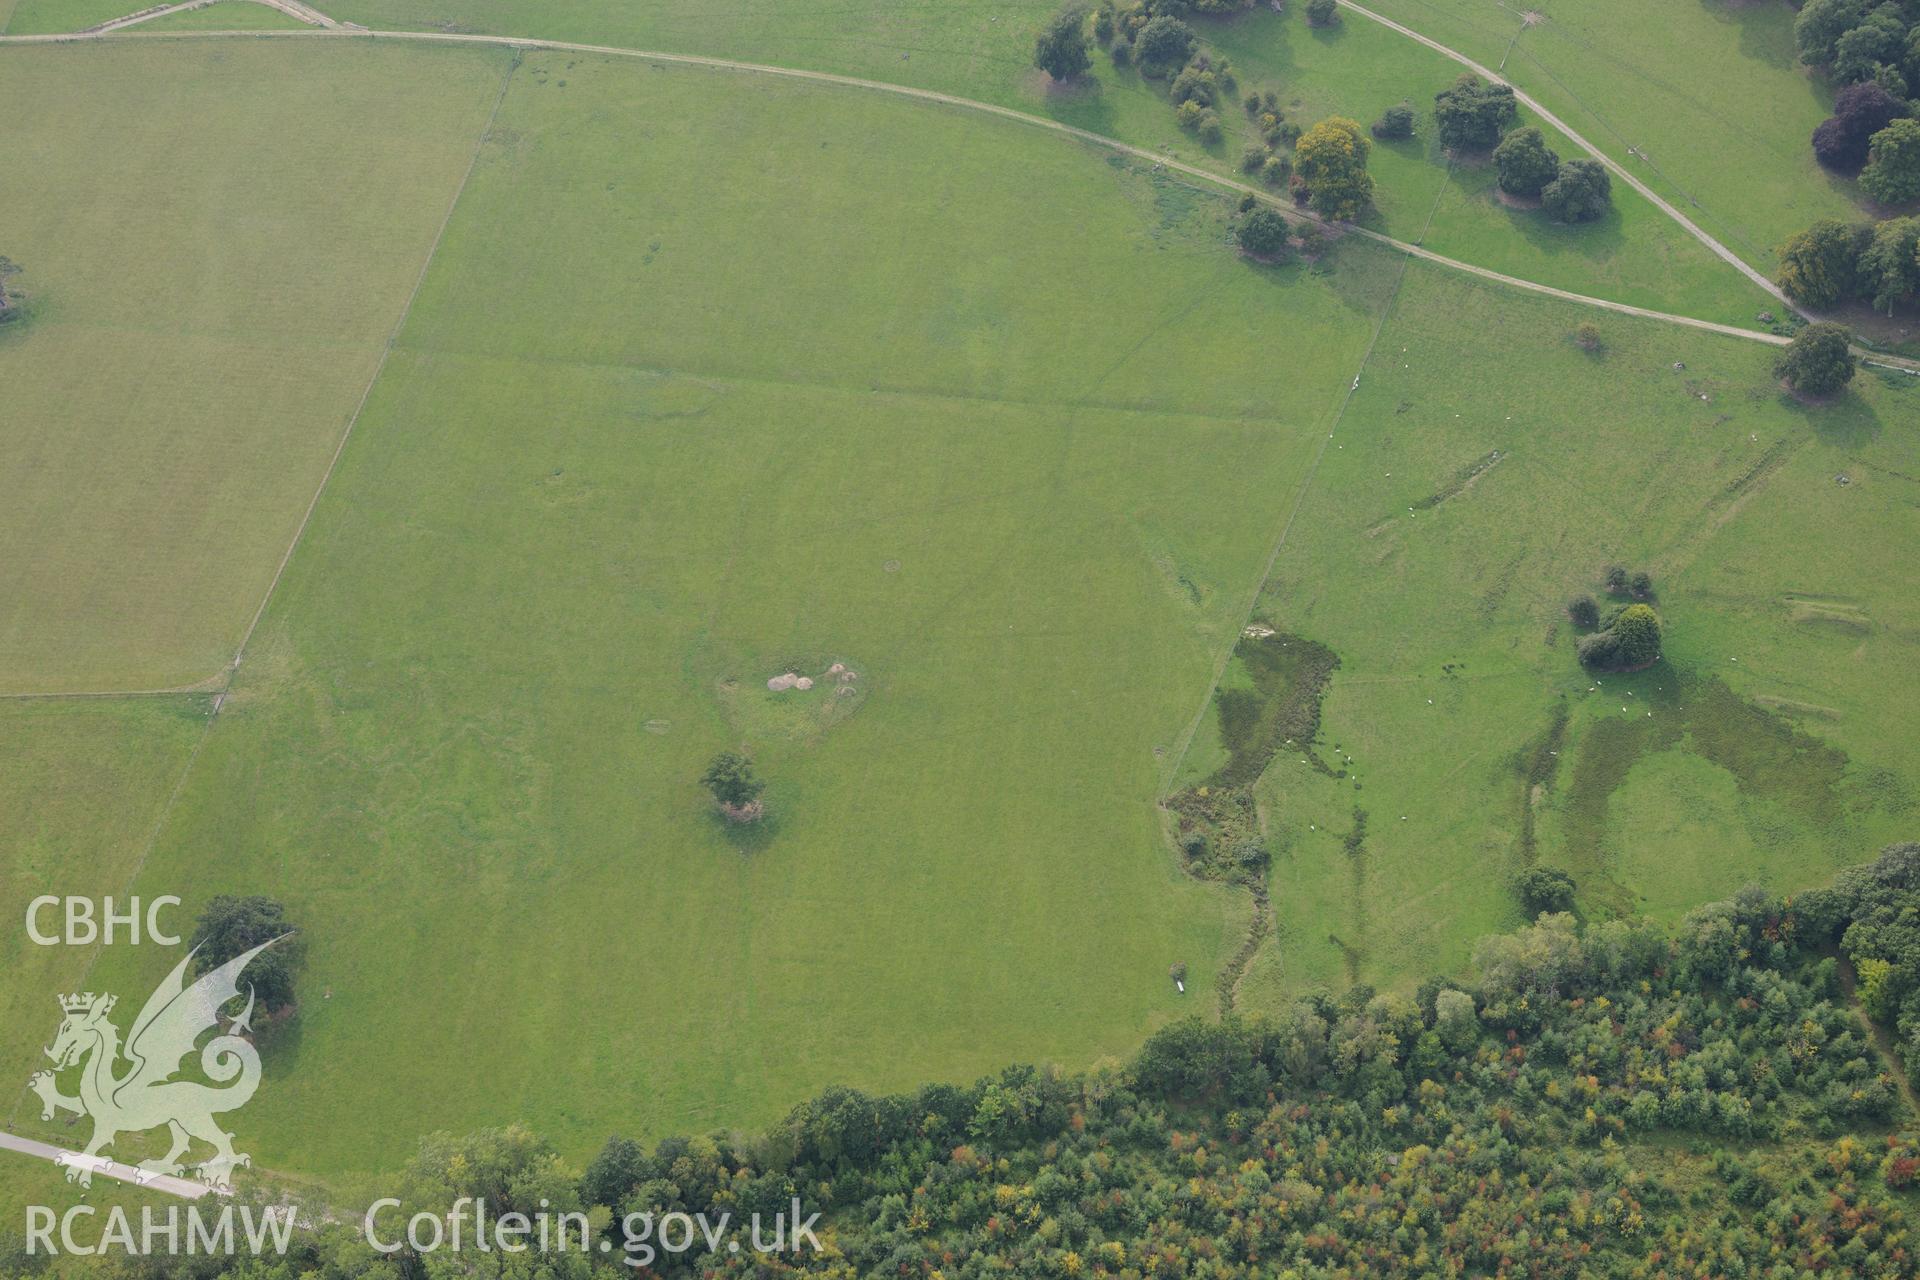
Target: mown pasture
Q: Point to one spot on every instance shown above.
(216, 241)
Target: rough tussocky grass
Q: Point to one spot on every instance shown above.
(1777, 748)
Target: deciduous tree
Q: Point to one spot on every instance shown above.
(1820, 25)
(1060, 50)
(1890, 265)
(1164, 42)
(1817, 361)
(1472, 114)
(1820, 267)
(1581, 191)
(1841, 141)
(1892, 175)
(1525, 162)
(1331, 160)
(231, 926)
(1544, 889)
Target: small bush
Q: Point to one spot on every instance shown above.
(1395, 122)
(1263, 233)
(1323, 13)
(1252, 158)
(730, 780)
(1598, 651)
(1616, 578)
(1103, 20)
(1208, 130)
(1195, 84)
(1544, 889)
(1641, 584)
(1584, 612)
(1276, 170)
(1586, 336)
(1631, 641)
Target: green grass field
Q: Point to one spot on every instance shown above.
(713, 376)
(673, 414)
(1459, 510)
(1635, 255)
(218, 240)
(82, 785)
(1711, 96)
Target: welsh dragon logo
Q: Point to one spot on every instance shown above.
(147, 1094)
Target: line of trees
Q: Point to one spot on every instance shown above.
(1611, 1100)
(1834, 262)
(1473, 115)
(1872, 133)
(1857, 42)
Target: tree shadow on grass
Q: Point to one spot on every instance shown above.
(1595, 241)
(1081, 102)
(748, 838)
(1845, 420)
(280, 1041)
(1766, 31)
(1332, 33)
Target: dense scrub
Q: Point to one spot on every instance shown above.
(1613, 1101)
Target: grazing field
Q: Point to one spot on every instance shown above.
(216, 242)
(667, 380)
(1635, 254)
(1711, 93)
(1487, 470)
(715, 378)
